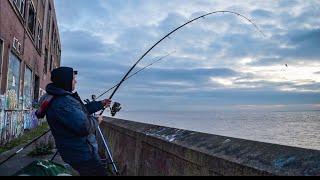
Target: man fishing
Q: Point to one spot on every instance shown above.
(72, 124)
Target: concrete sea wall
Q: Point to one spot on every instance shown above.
(143, 149)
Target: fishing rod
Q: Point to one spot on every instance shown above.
(142, 57)
(27, 145)
(149, 65)
(116, 108)
(105, 143)
(168, 35)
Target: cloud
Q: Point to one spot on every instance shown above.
(260, 13)
(218, 59)
(306, 44)
(75, 42)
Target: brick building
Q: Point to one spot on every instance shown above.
(29, 49)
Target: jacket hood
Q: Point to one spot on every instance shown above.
(62, 78)
(56, 91)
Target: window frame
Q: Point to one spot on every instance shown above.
(49, 20)
(51, 63)
(33, 33)
(1, 57)
(39, 35)
(24, 88)
(21, 6)
(46, 59)
(18, 80)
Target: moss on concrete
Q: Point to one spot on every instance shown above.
(26, 138)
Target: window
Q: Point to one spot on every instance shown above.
(13, 82)
(51, 61)
(20, 4)
(16, 45)
(53, 37)
(32, 19)
(27, 99)
(39, 36)
(59, 57)
(36, 88)
(49, 21)
(57, 47)
(46, 55)
(43, 3)
(1, 55)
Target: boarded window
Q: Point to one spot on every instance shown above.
(13, 82)
(27, 95)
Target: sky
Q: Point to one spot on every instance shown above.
(220, 62)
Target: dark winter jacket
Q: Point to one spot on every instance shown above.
(71, 123)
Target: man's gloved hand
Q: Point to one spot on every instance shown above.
(106, 103)
(100, 119)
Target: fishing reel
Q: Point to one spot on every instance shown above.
(116, 107)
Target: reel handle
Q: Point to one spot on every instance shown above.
(116, 107)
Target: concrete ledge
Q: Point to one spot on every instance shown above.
(143, 149)
(22, 159)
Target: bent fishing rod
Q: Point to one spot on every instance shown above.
(149, 65)
(168, 36)
(142, 57)
(30, 143)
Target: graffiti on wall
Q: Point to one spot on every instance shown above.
(13, 85)
(14, 126)
(13, 123)
(12, 100)
(27, 95)
(30, 120)
(2, 119)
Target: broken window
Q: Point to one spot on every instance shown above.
(20, 4)
(13, 82)
(32, 19)
(27, 95)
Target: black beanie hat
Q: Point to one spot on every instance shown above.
(62, 78)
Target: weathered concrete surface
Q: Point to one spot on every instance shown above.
(22, 159)
(142, 149)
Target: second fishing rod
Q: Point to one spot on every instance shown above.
(116, 106)
(172, 32)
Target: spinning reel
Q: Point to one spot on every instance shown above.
(116, 107)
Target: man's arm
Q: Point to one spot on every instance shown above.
(96, 106)
(72, 117)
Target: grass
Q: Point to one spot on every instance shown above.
(26, 138)
(42, 150)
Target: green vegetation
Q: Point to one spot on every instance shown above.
(42, 150)
(26, 138)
